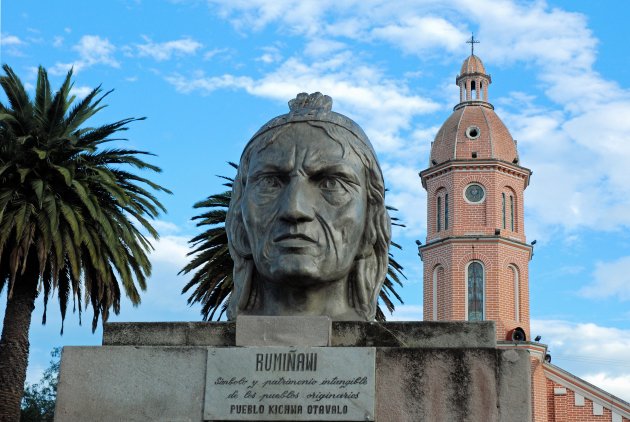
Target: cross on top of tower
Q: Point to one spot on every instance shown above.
(472, 41)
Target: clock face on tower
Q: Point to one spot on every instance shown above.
(474, 193)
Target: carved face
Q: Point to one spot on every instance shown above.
(304, 207)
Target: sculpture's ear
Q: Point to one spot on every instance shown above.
(366, 250)
(369, 236)
(234, 225)
(240, 240)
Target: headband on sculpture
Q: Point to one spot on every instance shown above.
(314, 107)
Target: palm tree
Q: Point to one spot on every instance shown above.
(212, 282)
(68, 213)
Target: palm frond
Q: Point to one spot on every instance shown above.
(66, 202)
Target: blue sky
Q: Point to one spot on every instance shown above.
(208, 74)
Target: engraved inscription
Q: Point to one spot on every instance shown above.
(278, 383)
(286, 361)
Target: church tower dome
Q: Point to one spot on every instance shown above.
(472, 64)
(473, 131)
(476, 257)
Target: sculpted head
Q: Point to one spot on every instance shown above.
(307, 225)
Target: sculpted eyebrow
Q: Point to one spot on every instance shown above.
(342, 170)
(264, 168)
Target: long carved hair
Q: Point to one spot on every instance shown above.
(370, 268)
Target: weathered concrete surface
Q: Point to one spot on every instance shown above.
(131, 384)
(344, 333)
(425, 371)
(463, 385)
(218, 334)
(282, 331)
(514, 378)
(412, 384)
(414, 334)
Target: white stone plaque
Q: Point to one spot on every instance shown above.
(290, 384)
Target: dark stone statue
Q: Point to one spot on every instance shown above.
(307, 226)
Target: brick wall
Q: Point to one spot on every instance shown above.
(505, 258)
(539, 392)
(483, 217)
(564, 407)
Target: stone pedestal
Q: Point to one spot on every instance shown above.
(423, 371)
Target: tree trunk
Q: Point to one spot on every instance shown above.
(14, 344)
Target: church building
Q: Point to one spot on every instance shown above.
(476, 256)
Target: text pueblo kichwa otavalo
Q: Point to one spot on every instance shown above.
(307, 225)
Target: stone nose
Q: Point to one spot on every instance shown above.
(298, 201)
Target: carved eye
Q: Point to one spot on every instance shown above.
(270, 181)
(329, 183)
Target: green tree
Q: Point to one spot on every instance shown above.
(67, 212)
(212, 283)
(38, 403)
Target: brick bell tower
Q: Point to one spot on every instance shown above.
(476, 256)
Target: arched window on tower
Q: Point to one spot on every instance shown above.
(441, 210)
(446, 211)
(438, 213)
(512, 212)
(475, 291)
(436, 286)
(503, 209)
(517, 296)
(473, 90)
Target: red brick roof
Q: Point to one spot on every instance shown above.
(473, 131)
(472, 64)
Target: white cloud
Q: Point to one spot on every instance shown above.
(12, 45)
(270, 55)
(171, 250)
(300, 16)
(416, 34)
(81, 91)
(612, 279)
(10, 40)
(402, 177)
(578, 162)
(406, 313)
(92, 50)
(412, 207)
(589, 351)
(166, 50)
(617, 384)
(206, 85)
(165, 227)
(360, 91)
(63, 68)
(323, 47)
(57, 41)
(215, 51)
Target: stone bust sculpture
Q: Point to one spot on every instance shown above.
(307, 225)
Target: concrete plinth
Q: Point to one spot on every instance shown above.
(424, 372)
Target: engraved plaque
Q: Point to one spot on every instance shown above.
(290, 383)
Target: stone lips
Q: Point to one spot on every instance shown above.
(494, 141)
